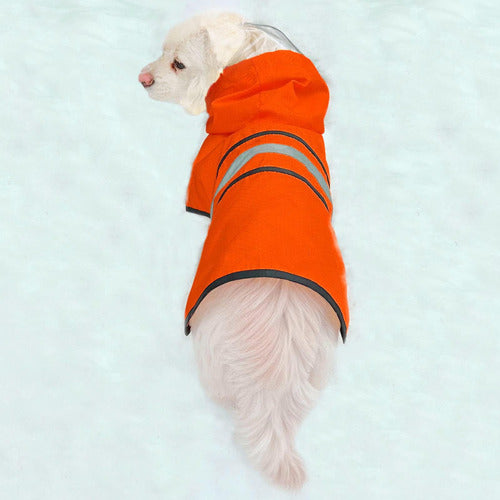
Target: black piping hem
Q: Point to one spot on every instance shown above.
(268, 273)
(196, 211)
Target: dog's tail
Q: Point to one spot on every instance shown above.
(265, 427)
(266, 346)
(288, 353)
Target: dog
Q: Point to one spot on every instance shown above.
(269, 297)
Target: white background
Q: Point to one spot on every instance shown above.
(99, 396)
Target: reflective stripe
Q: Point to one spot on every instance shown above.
(272, 132)
(283, 149)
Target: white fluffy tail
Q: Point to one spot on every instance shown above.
(264, 347)
(265, 427)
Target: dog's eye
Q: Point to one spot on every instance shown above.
(178, 64)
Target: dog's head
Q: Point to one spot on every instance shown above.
(194, 54)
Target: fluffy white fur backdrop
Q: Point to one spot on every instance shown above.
(100, 396)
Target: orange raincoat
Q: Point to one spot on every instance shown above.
(262, 177)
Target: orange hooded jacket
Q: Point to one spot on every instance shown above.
(262, 177)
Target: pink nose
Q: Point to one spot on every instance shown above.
(146, 79)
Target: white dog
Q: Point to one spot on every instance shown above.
(264, 345)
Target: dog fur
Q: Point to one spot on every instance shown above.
(264, 347)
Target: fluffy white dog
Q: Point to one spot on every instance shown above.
(264, 346)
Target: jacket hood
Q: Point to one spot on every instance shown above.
(281, 86)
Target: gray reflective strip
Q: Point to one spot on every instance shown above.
(247, 155)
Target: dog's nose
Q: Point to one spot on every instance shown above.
(146, 79)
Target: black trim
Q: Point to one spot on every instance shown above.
(273, 132)
(268, 273)
(196, 211)
(278, 170)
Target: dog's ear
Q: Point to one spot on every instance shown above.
(194, 100)
(202, 43)
(204, 39)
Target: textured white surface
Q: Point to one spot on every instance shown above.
(99, 395)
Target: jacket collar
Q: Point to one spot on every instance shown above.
(281, 87)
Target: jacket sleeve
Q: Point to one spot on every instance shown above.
(201, 184)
